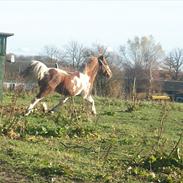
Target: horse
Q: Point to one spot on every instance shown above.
(66, 83)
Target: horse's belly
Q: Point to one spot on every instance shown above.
(74, 86)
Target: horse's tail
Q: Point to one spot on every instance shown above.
(37, 68)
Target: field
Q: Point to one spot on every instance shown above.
(125, 142)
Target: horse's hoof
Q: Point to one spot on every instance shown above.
(94, 113)
(51, 112)
(26, 114)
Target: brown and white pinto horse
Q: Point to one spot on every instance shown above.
(66, 83)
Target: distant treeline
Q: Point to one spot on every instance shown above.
(140, 66)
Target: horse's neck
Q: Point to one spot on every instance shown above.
(91, 71)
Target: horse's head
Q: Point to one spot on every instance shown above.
(104, 67)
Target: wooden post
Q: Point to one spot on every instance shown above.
(3, 39)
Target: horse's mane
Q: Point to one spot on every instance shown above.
(38, 69)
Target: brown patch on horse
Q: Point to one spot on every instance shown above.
(49, 83)
(68, 86)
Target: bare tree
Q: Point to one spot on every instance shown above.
(174, 62)
(52, 53)
(75, 54)
(140, 57)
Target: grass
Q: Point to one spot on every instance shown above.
(125, 142)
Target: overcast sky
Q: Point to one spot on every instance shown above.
(39, 23)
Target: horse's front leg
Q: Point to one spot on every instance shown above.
(32, 105)
(90, 99)
(56, 107)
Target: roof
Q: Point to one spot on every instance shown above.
(6, 34)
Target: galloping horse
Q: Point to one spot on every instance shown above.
(66, 83)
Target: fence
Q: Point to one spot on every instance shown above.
(17, 85)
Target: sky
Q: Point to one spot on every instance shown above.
(40, 23)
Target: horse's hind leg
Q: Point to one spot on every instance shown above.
(45, 107)
(56, 108)
(43, 92)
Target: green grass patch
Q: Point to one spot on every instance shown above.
(125, 142)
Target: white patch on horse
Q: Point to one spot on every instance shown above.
(78, 87)
(86, 84)
(80, 83)
(85, 79)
